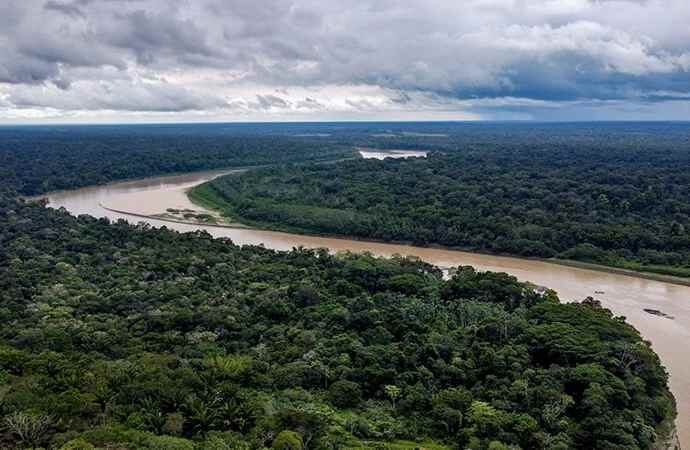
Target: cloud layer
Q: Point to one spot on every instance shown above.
(312, 59)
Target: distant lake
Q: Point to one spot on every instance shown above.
(373, 153)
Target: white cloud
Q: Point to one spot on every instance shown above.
(230, 56)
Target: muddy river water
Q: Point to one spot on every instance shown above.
(625, 295)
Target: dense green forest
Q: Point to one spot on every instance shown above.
(34, 160)
(617, 205)
(119, 336)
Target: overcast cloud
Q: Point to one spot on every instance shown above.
(332, 59)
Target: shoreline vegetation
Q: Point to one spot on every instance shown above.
(205, 196)
(221, 171)
(130, 336)
(96, 155)
(563, 262)
(202, 196)
(615, 210)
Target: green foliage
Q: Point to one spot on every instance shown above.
(287, 440)
(175, 340)
(225, 441)
(38, 159)
(231, 366)
(125, 337)
(598, 195)
(109, 436)
(345, 394)
(78, 444)
(393, 392)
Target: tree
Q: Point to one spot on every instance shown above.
(486, 418)
(345, 394)
(30, 428)
(470, 360)
(393, 392)
(287, 440)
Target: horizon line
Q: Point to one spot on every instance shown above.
(317, 122)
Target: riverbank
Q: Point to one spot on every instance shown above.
(562, 262)
(163, 178)
(170, 177)
(171, 220)
(624, 295)
(205, 196)
(620, 271)
(207, 199)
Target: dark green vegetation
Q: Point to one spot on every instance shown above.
(611, 203)
(124, 337)
(34, 160)
(143, 338)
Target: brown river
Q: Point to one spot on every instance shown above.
(625, 295)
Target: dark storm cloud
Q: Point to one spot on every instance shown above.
(16, 68)
(152, 34)
(68, 8)
(543, 50)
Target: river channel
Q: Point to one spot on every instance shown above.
(625, 295)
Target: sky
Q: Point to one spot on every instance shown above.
(310, 60)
